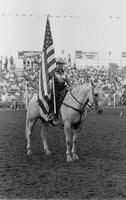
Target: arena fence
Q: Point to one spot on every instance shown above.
(22, 103)
(109, 102)
(12, 105)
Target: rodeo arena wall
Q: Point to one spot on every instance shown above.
(19, 77)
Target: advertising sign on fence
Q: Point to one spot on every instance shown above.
(85, 54)
(28, 54)
(123, 54)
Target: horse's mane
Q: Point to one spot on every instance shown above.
(85, 85)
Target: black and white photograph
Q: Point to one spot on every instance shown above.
(63, 99)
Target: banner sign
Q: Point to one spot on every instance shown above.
(78, 54)
(28, 54)
(123, 54)
(86, 54)
(90, 54)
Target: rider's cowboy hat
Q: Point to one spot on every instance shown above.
(60, 61)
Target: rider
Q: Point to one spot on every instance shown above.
(61, 82)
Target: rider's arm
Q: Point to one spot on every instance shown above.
(67, 79)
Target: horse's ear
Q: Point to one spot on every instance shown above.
(92, 83)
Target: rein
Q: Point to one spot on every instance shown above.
(75, 97)
(96, 100)
(82, 108)
(80, 102)
(78, 110)
(69, 106)
(99, 99)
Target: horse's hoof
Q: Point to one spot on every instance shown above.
(69, 158)
(75, 156)
(48, 152)
(29, 152)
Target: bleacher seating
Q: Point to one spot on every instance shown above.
(13, 81)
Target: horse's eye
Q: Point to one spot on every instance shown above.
(96, 95)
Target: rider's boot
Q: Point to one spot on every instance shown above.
(53, 119)
(50, 117)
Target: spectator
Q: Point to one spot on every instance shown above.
(1, 61)
(11, 62)
(69, 59)
(6, 63)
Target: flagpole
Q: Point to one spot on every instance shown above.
(109, 58)
(26, 99)
(54, 96)
(121, 62)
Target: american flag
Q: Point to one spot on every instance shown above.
(48, 65)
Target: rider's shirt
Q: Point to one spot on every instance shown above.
(59, 81)
(124, 94)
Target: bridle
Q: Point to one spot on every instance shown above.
(82, 111)
(95, 98)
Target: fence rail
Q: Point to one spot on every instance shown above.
(12, 105)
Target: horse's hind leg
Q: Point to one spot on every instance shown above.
(67, 131)
(29, 126)
(43, 133)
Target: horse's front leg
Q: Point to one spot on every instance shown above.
(75, 136)
(43, 132)
(67, 131)
(29, 127)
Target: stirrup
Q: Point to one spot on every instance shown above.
(57, 123)
(50, 117)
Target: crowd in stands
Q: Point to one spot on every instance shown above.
(13, 85)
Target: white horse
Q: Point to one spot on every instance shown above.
(71, 112)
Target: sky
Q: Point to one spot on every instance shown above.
(95, 25)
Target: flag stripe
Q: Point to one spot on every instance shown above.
(46, 106)
(42, 106)
(50, 58)
(51, 63)
(44, 77)
(45, 103)
(50, 48)
(41, 102)
(47, 99)
(44, 82)
(52, 67)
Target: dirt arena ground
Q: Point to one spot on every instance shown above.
(99, 174)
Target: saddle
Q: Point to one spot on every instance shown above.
(61, 96)
(56, 119)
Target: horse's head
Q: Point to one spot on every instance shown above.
(96, 98)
